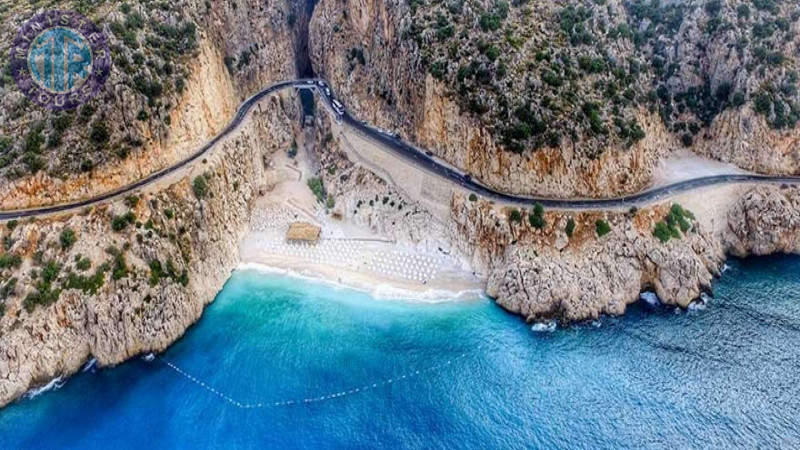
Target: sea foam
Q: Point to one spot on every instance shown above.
(650, 298)
(379, 291)
(544, 327)
(54, 384)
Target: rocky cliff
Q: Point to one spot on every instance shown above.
(178, 74)
(570, 271)
(577, 98)
(574, 266)
(129, 277)
(765, 221)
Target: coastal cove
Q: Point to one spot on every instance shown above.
(462, 372)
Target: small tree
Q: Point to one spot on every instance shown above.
(662, 232)
(515, 216)
(316, 186)
(536, 218)
(473, 197)
(200, 187)
(119, 223)
(570, 227)
(602, 227)
(67, 238)
(131, 201)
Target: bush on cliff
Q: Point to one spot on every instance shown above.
(10, 260)
(675, 222)
(120, 267)
(67, 238)
(200, 187)
(536, 218)
(119, 223)
(570, 227)
(45, 294)
(602, 227)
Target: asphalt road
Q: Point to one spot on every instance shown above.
(410, 153)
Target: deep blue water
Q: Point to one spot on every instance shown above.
(724, 377)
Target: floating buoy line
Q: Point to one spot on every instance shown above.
(330, 396)
(322, 398)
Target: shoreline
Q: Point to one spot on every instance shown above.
(379, 288)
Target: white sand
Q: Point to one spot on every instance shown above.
(347, 254)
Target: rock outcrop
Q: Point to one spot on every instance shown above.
(573, 98)
(178, 74)
(765, 221)
(544, 274)
(158, 274)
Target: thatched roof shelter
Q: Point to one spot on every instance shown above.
(303, 231)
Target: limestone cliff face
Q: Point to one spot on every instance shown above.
(744, 138)
(544, 274)
(203, 109)
(163, 99)
(604, 90)
(765, 221)
(140, 270)
(392, 90)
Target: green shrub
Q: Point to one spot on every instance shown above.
(536, 218)
(602, 227)
(88, 285)
(120, 265)
(515, 216)
(473, 197)
(490, 22)
(83, 264)
(119, 223)
(200, 187)
(99, 134)
(570, 227)
(44, 294)
(675, 222)
(8, 289)
(156, 272)
(10, 260)
(67, 238)
(11, 224)
(316, 186)
(661, 231)
(131, 201)
(34, 141)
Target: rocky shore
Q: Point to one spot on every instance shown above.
(129, 277)
(148, 278)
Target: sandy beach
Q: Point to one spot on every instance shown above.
(346, 254)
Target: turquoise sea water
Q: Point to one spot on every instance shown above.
(727, 376)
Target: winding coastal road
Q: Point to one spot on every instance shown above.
(415, 156)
